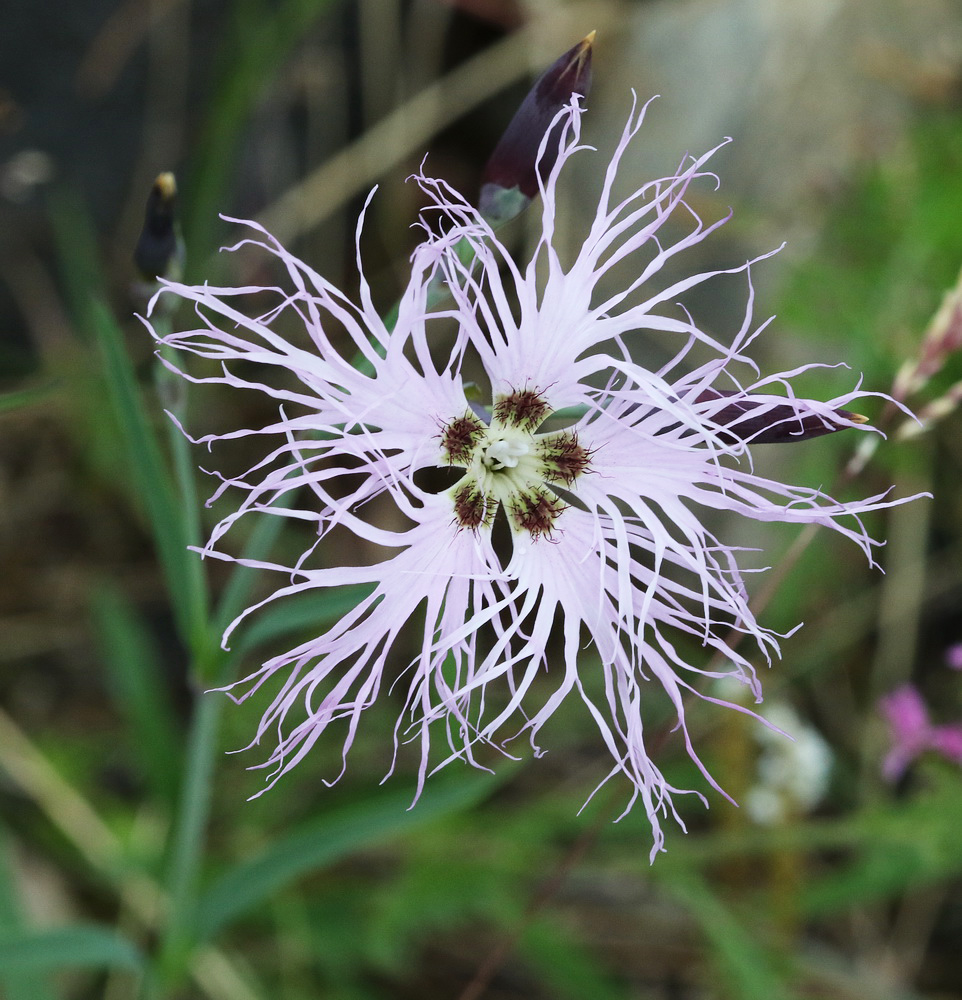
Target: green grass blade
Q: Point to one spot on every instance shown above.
(152, 483)
(331, 837)
(21, 398)
(565, 966)
(188, 838)
(83, 945)
(135, 671)
(897, 847)
(152, 480)
(258, 39)
(300, 612)
(25, 984)
(893, 847)
(240, 585)
(745, 966)
(80, 258)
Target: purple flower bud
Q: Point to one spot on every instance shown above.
(765, 420)
(159, 252)
(510, 179)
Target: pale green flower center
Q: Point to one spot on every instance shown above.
(508, 466)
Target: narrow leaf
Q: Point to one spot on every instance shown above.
(151, 479)
(565, 965)
(135, 671)
(745, 965)
(257, 39)
(240, 585)
(331, 837)
(63, 947)
(79, 252)
(301, 611)
(25, 984)
(21, 398)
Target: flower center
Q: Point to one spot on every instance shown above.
(508, 466)
(504, 454)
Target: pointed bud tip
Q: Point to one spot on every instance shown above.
(159, 251)
(165, 185)
(856, 418)
(576, 60)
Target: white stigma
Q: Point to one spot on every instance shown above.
(504, 454)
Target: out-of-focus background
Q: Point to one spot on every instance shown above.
(131, 862)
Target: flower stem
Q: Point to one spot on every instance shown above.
(187, 843)
(170, 389)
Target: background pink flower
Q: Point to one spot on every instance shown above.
(912, 733)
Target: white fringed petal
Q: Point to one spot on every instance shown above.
(629, 563)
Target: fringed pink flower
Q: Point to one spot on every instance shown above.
(571, 554)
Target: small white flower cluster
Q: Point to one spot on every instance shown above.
(792, 775)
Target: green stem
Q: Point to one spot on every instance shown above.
(171, 390)
(210, 666)
(188, 840)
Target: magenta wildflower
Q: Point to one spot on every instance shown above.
(603, 504)
(912, 733)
